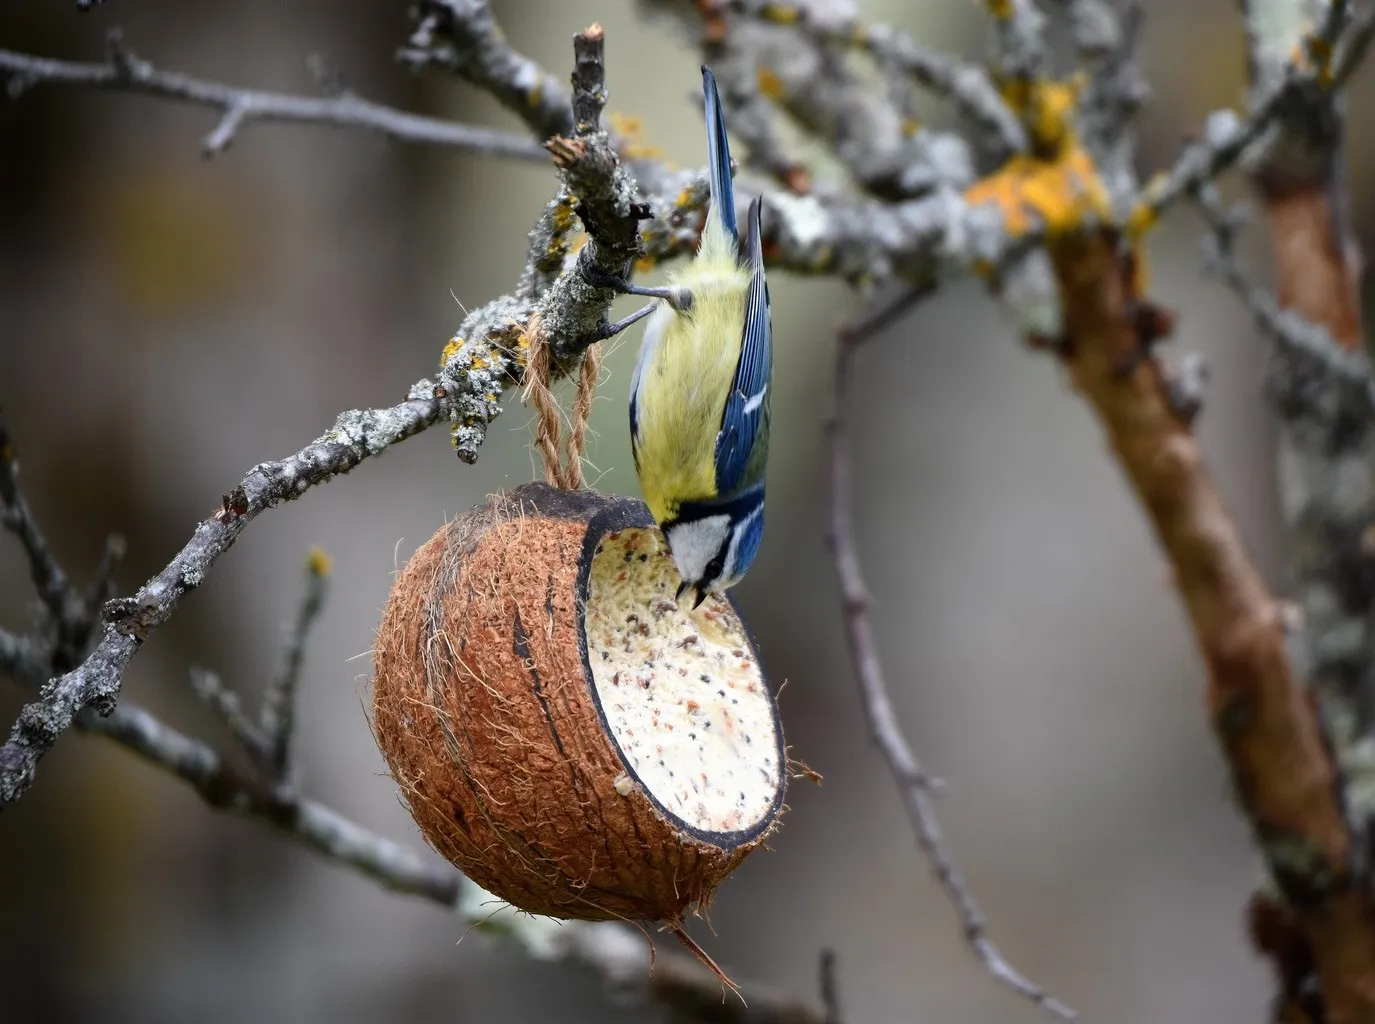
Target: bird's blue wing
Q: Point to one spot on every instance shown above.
(747, 404)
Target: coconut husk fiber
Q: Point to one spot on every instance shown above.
(486, 713)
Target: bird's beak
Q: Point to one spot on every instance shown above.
(683, 588)
(701, 596)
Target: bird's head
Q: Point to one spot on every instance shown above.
(701, 549)
(714, 551)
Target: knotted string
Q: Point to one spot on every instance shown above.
(549, 420)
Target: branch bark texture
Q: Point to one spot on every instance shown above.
(1326, 460)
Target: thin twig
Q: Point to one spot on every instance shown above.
(49, 580)
(913, 783)
(124, 72)
(102, 587)
(830, 994)
(1358, 39)
(1329, 380)
(278, 722)
(310, 823)
(617, 954)
(22, 660)
(356, 435)
(226, 705)
(69, 616)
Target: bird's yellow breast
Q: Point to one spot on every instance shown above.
(684, 387)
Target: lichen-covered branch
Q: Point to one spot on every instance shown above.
(1107, 37)
(1286, 94)
(914, 784)
(559, 294)
(798, 58)
(122, 71)
(1316, 377)
(1320, 377)
(95, 683)
(463, 38)
(1019, 31)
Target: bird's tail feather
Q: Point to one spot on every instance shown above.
(722, 208)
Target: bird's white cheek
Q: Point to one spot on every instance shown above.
(696, 543)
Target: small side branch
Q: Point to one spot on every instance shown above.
(357, 435)
(314, 825)
(913, 783)
(1227, 138)
(1320, 377)
(54, 590)
(1020, 36)
(278, 721)
(122, 71)
(967, 86)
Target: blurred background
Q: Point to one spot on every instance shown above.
(167, 322)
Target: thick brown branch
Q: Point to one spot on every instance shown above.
(1281, 766)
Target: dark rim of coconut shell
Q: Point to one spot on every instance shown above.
(628, 513)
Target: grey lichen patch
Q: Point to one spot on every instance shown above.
(686, 701)
(1358, 769)
(482, 361)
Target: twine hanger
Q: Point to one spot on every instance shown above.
(548, 420)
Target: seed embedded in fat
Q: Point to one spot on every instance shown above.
(678, 724)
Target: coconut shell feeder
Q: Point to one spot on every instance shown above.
(563, 731)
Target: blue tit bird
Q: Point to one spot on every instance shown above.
(699, 397)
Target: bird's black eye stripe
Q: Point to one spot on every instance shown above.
(713, 570)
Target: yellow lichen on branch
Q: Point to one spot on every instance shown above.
(768, 82)
(631, 132)
(1056, 187)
